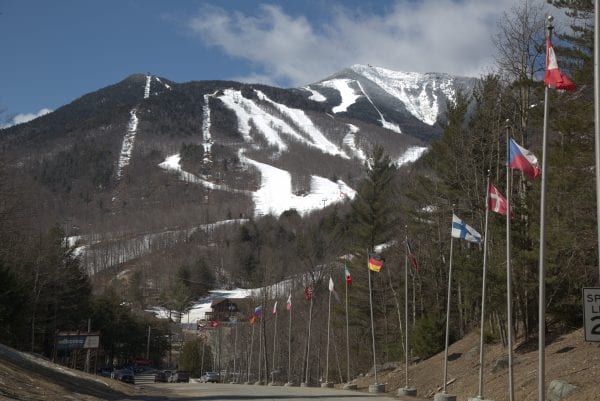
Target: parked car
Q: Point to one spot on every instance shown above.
(210, 377)
(126, 376)
(106, 372)
(160, 376)
(180, 376)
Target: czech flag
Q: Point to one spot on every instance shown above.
(522, 159)
(375, 262)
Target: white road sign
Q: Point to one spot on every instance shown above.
(591, 313)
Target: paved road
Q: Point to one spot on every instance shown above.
(239, 392)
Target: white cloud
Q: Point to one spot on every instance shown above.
(428, 36)
(24, 117)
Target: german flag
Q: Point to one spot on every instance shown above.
(375, 262)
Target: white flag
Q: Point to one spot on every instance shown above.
(331, 289)
(275, 308)
(464, 231)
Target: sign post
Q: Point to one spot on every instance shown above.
(591, 313)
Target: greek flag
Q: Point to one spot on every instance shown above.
(462, 230)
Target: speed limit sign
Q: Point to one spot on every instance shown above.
(591, 313)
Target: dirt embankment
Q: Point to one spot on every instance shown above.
(31, 378)
(567, 358)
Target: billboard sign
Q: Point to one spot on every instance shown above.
(66, 341)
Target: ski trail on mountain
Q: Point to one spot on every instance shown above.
(350, 141)
(127, 145)
(346, 92)
(384, 123)
(305, 124)
(147, 87)
(173, 164)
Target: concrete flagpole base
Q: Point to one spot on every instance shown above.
(407, 391)
(304, 384)
(376, 388)
(274, 384)
(326, 385)
(477, 399)
(289, 384)
(444, 397)
(247, 383)
(259, 383)
(350, 386)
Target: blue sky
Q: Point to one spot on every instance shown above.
(57, 51)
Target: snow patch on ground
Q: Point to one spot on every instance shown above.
(164, 83)
(275, 194)
(350, 141)
(411, 155)
(127, 146)
(316, 96)
(346, 92)
(173, 164)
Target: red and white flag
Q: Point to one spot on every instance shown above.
(497, 202)
(289, 303)
(554, 78)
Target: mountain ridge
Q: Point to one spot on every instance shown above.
(242, 150)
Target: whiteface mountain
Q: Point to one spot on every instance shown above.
(148, 162)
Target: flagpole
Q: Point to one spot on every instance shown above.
(448, 315)
(250, 355)
(487, 213)
(597, 116)
(347, 334)
(274, 344)
(308, 339)
(290, 347)
(511, 390)
(372, 325)
(542, 272)
(406, 312)
(260, 345)
(235, 379)
(328, 326)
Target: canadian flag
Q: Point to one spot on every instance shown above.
(554, 78)
(497, 202)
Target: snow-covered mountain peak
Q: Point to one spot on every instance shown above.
(423, 95)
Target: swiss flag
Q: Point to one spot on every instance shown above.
(497, 202)
(554, 78)
(214, 323)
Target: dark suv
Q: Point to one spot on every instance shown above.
(180, 376)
